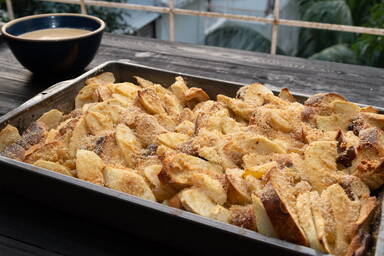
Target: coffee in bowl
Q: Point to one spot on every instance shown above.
(54, 44)
(54, 33)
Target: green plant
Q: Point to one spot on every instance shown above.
(239, 37)
(3, 12)
(326, 11)
(113, 17)
(336, 53)
(369, 49)
(339, 46)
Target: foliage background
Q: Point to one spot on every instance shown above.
(113, 17)
(337, 46)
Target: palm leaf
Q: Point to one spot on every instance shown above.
(360, 10)
(336, 53)
(239, 37)
(324, 11)
(370, 48)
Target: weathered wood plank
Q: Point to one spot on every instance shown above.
(358, 83)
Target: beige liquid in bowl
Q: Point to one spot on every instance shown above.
(54, 33)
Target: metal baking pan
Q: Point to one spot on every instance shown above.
(145, 219)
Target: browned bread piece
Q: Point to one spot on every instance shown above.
(78, 135)
(185, 127)
(90, 167)
(172, 139)
(346, 149)
(322, 102)
(14, 151)
(196, 201)
(97, 123)
(34, 135)
(339, 213)
(8, 135)
(366, 120)
(161, 190)
(343, 112)
(361, 233)
(214, 117)
(243, 216)
(306, 220)
(194, 96)
(243, 110)
(115, 110)
(56, 167)
(108, 150)
(150, 101)
(237, 189)
(280, 204)
(143, 82)
(104, 78)
(319, 105)
(125, 93)
(220, 213)
(179, 88)
(212, 187)
(369, 165)
(127, 181)
(174, 202)
(354, 187)
(285, 94)
(53, 151)
(256, 93)
(128, 144)
(90, 92)
(171, 103)
(263, 223)
(319, 166)
(51, 118)
(179, 168)
(146, 128)
(243, 143)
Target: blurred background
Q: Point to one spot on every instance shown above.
(336, 46)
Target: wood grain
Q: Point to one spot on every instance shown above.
(357, 83)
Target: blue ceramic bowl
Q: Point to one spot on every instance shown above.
(54, 56)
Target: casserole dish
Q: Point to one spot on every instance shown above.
(122, 211)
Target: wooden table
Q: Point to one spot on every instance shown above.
(30, 228)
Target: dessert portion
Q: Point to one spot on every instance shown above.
(303, 173)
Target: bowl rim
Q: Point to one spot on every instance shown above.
(12, 22)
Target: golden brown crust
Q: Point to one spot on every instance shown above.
(90, 167)
(8, 135)
(175, 202)
(127, 181)
(51, 118)
(285, 94)
(242, 216)
(283, 223)
(301, 172)
(361, 237)
(237, 189)
(323, 99)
